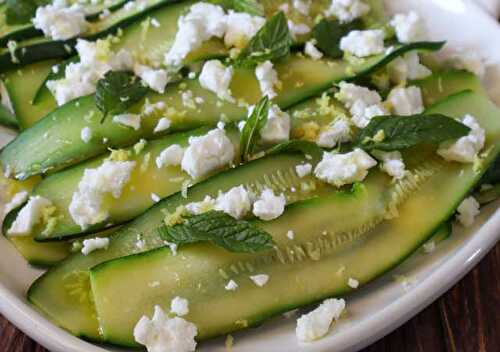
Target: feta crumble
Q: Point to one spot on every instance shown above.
(93, 244)
(236, 202)
(297, 30)
(335, 133)
(344, 169)
(302, 6)
(409, 27)
(467, 211)
(207, 153)
(86, 134)
(268, 79)
(311, 50)
(241, 27)
(179, 306)
(352, 283)
(29, 216)
(268, 206)
(407, 68)
(155, 79)
(197, 208)
(16, 201)
(469, 61)
(429, 247)
(129, 120)
(406, 101)
(162, 125)
(155, 198)
(277, 127)
(260, 280)
(60, 22)
(231, 285)
(465, 149)
(303, 170)
(216, 78)
(290, 234)
(347, 10)
(392, 163)
(86, 207)
(316, 324)
(363, 43)
(161, 333)
(170, 156)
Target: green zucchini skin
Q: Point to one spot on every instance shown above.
(365, 254)
(51, 293)
(20, 32)
(305, 78)
(7, 118)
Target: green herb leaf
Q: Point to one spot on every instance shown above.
(253, 126)
(221, 229)
(492, 176)
(293, 146)
(22, 11)
(398, 132)
(328, 34)
(117, 92)
(253, 7)
(272, 41)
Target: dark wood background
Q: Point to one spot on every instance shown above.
(466, 318)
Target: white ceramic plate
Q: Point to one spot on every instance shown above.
(375, 310)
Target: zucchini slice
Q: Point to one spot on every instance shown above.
(63, 293)
(7, 118)
(302, 78)
(352, 246)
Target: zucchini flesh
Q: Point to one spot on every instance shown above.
(32, 153)
(63, 293)
(365, 251)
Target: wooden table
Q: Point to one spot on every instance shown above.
(466, 318)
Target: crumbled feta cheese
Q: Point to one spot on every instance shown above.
(343, 169)
(268, 79)
(277, 127)
(60, 22)
(129, 120)
(469, 61)
(409, 27)
(161, 333)
(347, 10)
(86, 134)
(303, 170)
(29, 216)
(202, 22)
(406, 101)
(268, 206)
(197, 208)
(311, 50)
(162, 125)
(392, 163)
(179, 306)
(207, 153)
(155, 23)
(235, 202)
(155, 79)
(155, 198)
(302, 6)
(260, 280)
(429, 247)
(290, 234)
(467, 211)
(353, 283)
(407, 68)
(363, 43)
(217, 78)
(170, 156)
(86, 207)
(297, 29)
(16, 201)
(231, 285)
(93, 244)
(466, 148)
(362, 115)
(315, 324)
(337, 132)
(241, 27)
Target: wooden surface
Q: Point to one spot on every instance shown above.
(466, 318)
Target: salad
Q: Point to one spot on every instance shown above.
(188, 169)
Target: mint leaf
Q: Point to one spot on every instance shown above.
(220, 229)
(398, 132)
(293, 146)
(328, 34)
(272, 41)
(22, 11)
(252, 7)
(253, 126)
(117, 92)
